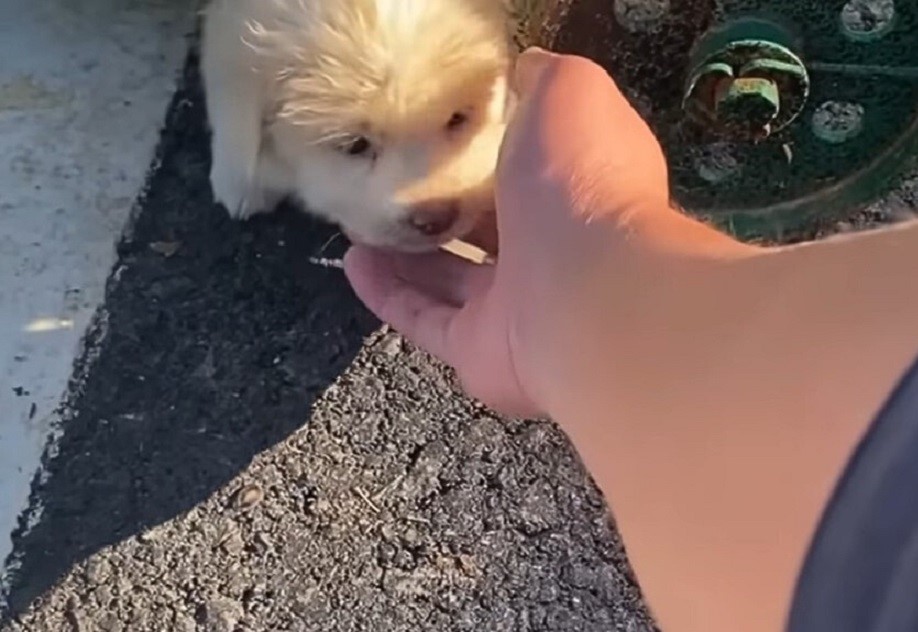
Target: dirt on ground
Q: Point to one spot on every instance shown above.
(249, 451)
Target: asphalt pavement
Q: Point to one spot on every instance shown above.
(243, 448)
(246, 449)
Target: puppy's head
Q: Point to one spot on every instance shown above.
(392, 113)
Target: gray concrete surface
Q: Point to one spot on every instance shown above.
(240, 458)
(83, 88)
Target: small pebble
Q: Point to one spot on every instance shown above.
(392, 345)
(248, 496)
(222, 615)
(165, 248)
(232, 543)
(468, 566)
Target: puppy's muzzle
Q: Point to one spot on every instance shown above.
(434, 218)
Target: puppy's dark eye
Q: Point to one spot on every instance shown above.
(457, 120)
(360, 146)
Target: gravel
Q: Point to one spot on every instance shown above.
(249, 451)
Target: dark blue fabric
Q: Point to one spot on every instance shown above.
(861, 573)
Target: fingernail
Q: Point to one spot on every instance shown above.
(529, 67)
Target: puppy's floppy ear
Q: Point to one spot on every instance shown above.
(508, 7)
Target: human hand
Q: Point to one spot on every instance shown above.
(582, 199)
(713, 390)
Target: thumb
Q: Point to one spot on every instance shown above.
(530, 67)
(575, 120)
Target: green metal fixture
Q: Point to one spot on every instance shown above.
(747, 82)
(774, 114)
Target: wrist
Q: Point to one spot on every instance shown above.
(663, 281)
(716, 400)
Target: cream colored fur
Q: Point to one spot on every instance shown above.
(293, 85)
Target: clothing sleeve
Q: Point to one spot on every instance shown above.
(861, 572)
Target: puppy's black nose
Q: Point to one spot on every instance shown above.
(434, 218)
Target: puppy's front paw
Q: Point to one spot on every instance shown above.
(236, 193)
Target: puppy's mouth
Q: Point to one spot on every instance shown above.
(483, 234)
(415, 243)
(409, 247)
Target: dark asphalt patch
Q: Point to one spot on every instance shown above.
(239, 458)
(211, 354)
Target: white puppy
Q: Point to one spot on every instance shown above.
(383, 116)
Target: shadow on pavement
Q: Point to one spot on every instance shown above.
(216, 340)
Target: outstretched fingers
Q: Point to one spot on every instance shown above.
(421, 309)
(443, 275)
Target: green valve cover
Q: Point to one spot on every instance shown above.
(774, 114)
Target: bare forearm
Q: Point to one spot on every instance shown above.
(718, 420)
